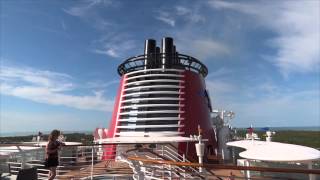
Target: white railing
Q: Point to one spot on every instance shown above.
(87, 162)
(83, 162)
(90, 162)
(80, 162)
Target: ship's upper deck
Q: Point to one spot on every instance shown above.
(154, 61)
(166, 57)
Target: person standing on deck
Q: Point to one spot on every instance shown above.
(52, 148)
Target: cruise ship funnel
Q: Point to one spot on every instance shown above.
(162, 94)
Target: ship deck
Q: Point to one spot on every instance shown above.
(105, 168)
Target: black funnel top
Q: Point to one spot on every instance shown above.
(150, 46)
(150, 53)
(167, 52)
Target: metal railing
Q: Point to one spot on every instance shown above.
(76, 162)
(161, 161)
(80, 161)
(179, 61)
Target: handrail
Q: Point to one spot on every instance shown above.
(183, 62)
(81, 145)
(188, 158)
(156, 154)
(167, 160)
(220, 166)
(172, 152)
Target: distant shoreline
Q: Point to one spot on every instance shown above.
(306, 128)
(16, 134)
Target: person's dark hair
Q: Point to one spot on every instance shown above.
(54, 135)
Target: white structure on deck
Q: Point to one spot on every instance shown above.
(276, 152)
(223, 131)
(145, 140)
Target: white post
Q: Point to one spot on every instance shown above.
(247, 172)
(23, 158)
(170, 172)
(233, 155)
(100, 151)
(38, 140)
(268, 138)
(311, 176)
(92, 159)
(222, 154)
(200, 151)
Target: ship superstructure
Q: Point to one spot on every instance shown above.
(162, 93)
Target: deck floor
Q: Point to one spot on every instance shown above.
(101, 168)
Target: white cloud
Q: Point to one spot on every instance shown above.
(113, 42)
(109, 52)
(219, 87)
(207, 47)
(18, 120)
(83, 7)
(194, 39)
(52, 80)
(101, 84)
(269, 88)
(219, 4)
(285, 109)
(270, 104)
(49, 88)
(221, 92)
(79, 10)
(63, 25)
(115, 46)
(166, 18)
(103, 24)
(182, 10)
(297, 28)
(88, 10)
(219, 73)
(201, 48)
(180, 13)
(191, 15)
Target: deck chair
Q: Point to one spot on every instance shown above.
(30, 174)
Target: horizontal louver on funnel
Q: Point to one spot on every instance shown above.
(148, 101)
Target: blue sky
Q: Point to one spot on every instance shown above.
(59, 58)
